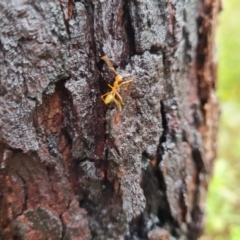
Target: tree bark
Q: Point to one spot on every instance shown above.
(72, 167)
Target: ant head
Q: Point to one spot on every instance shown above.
(118, 78)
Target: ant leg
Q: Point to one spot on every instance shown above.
(108, 62)
(110, 86)
(124, 83)
(118, 104)
(126, 75)
(120, 98)
(115, 92)
(102, 97)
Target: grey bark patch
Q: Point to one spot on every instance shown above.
(33, 55)
(43, 222)
(150, 24)
(128, 129)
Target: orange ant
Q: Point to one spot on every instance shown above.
(111, 96)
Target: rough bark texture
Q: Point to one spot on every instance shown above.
(72, 167)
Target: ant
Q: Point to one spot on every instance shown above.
(111, 96)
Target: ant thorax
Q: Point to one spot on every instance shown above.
(120, 81)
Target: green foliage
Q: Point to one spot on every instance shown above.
(228, 47)
(223, 205)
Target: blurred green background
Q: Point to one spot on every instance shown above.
(223, 204)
